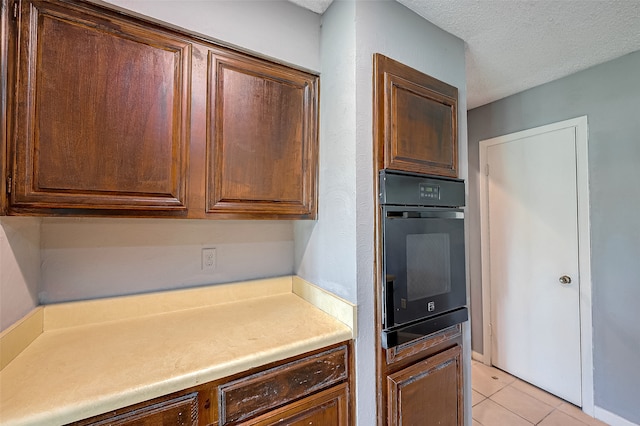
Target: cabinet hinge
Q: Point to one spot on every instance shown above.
(15, 10)
(486, 170)
(9, 184)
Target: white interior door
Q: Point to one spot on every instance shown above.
(533, 253)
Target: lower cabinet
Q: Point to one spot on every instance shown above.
(421, 382)
(428, 392)
(310, 389)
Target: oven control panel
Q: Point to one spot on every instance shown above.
(429, 191)
(410, 189)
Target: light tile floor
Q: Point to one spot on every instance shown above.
(500, 399)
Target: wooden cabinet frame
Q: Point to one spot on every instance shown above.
(6, 73)
(400, 365)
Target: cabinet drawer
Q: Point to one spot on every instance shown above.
(326, 408)
(258, 393)
(179, 411)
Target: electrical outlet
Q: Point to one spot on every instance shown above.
(208, 259)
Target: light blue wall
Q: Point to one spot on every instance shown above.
(326, 248)
(609, 94)
(273, 28)
(337, 250)
(88, 258)
(19, 267)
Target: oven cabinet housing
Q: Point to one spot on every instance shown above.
(423, 381)
(314, 388)
(109, 114)
(416, 120)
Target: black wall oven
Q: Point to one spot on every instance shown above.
(423, 255)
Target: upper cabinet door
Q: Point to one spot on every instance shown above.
(415, 120)
(102, 108)
(262, 138)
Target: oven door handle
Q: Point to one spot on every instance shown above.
(423, 214)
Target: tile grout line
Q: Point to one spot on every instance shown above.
(511, 411)
(510, 385)
(551, 412)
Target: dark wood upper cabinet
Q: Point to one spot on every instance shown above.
(106, 113)
(415, 119)
(102, 112)
(262, 137)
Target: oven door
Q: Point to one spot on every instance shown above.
(423, 266)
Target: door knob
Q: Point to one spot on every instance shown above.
(565, 279)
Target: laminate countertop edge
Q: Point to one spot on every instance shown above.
(60, 377)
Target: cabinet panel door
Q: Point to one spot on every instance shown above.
(416, 118)
(102, 112)
(428, 393)
(328, 408)
(262, 138)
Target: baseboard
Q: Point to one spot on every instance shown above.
(610, 418)
(477, 356)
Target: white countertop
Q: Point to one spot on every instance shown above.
(83, 365)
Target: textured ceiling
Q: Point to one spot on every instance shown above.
(513, 45)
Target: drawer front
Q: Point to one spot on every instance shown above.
(180, 411)
(261, 392)
(326, 408)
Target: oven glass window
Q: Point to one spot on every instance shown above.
(428, 265)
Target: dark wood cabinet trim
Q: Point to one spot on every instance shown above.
(6, 20)
(420, 346)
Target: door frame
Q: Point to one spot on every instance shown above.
(584, 246)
